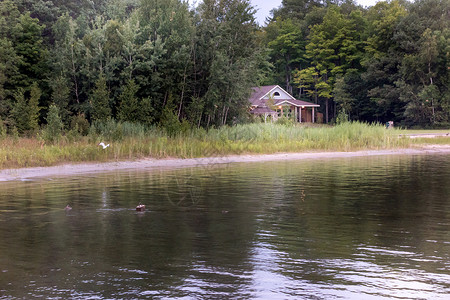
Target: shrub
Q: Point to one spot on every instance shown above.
(80, 123)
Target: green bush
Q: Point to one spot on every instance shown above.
(80, 124)
(287, 121)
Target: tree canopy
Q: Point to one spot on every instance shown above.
(152, 62)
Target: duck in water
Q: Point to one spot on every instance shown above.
(140, 207)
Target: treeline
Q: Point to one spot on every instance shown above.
(147, 61)
(72, 63)
(386, 62)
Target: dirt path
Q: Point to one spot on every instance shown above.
(426, 135)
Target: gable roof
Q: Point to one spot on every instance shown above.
(259, 93)
(257, 97)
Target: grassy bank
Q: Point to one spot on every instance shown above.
(130, 142)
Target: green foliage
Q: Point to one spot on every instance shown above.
(129, 109)
(286, 121)
(3, 129)
(25, 111)
(100, 109)
(53, 129)
(80, 124)
(286, 43)
(22, 51)
(133, 59)
(334, 47)
(28, 45)
(19, 118)
(61, 98)
(132, 141)
(342, 117)
(383, 19)
(112, 130)
(228, 57)
(170, 122)
(342, 96)
(33, 107)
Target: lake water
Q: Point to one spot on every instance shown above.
(357, 228)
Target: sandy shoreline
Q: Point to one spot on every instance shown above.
(77, 169)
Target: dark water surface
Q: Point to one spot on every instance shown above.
(358, 228)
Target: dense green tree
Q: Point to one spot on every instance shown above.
(342, 96)
(424, 83)
(406, 75)
(18, 111)
(54, 127)
(8, 69)
(25, 111)
(296, 9)
(227, 60)
(157, 61)
(129, 109)
(382, 21)
(28, 45)
(66, 57)
(169, 32)
(334, 47)
(61, 98)
(286, 43)
(100, 109)
(9, 59)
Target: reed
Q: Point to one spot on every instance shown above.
(130, 141)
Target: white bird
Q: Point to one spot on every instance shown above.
(103, 145)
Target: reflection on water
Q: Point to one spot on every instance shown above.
(360, 228)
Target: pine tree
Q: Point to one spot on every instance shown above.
(100, 109)
(129, 109)
(25, 112)
(33, 107)
(52, 132)
(60, 97)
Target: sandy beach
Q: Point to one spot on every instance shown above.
(77, 169)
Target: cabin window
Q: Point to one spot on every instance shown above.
(276, 94)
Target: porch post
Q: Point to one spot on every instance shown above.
(300, 109)
(313, 115)
(296, 113)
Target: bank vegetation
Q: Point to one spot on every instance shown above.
(130, 141)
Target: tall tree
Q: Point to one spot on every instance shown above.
(129, 109)
(334, 47)
(28, 44)
(167, 38)
(286, 43)
(227, 60)
(100, 109)
(25, 111)
(383, 60)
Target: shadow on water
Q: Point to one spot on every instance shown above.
(371, 228)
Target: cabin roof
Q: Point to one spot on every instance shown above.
(259, 93)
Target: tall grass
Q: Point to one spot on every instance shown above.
(130, 141)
